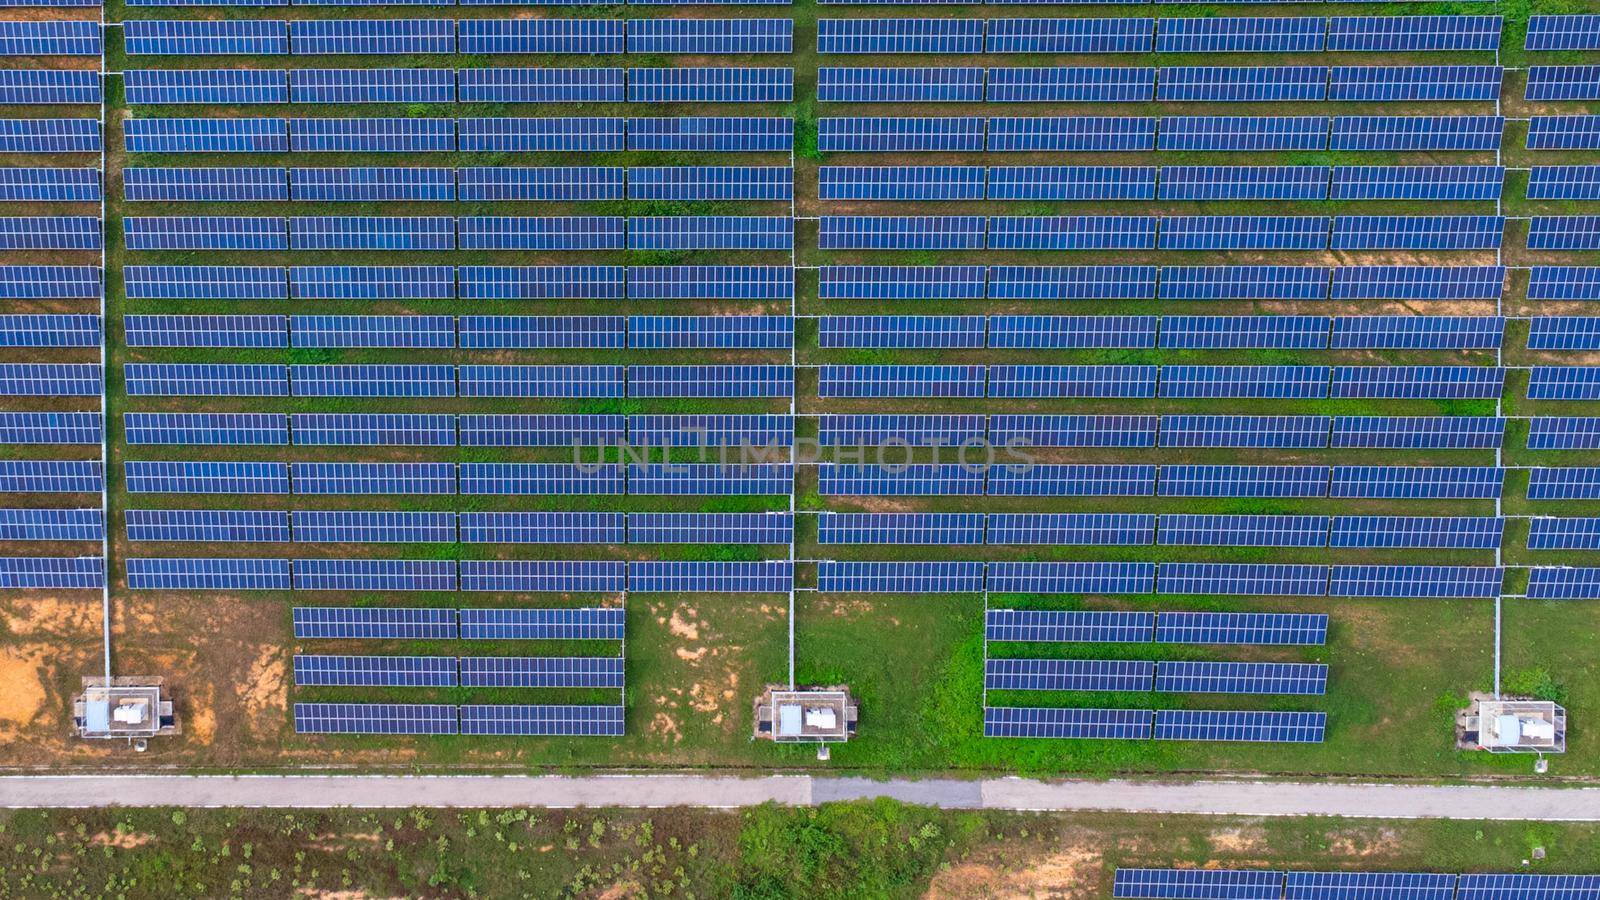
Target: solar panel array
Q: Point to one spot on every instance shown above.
(1270, 885)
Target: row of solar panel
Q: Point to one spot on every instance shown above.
(52, 525)
(855, 282)
(587, 282)
(407, 233)
(1251, 884)
(1187, 183)
(370, 380)
(701, 134)
(558, 576)
(609, 37)
(362, 526)
(374, 183)
(485, 479)
(432, 718)
(1162, 724)
(653, 332)
(1149, 382)
(475, 332)
(1131, 627)
(51, 476)
(329, 670)
(434, 623)
(1166, 676)
(616, 576)
(1284, 34)
(1344, 232)
(165, 87)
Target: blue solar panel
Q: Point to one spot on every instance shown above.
(1244, 183)
(52, 572)
(1067, 674)
(1419, 382)
(205, 233)
(1280, 432)
(544, 332)
(1564, 333)
(900, 283)
(1419, 432)
(906, 85)
(1072, 332)
(899, 528)
(1183, 676)
(1072, 577)
(1564, 133)
(352, 527)
(373, 380)
(1245, 332)
(1243, 133)
(374, 85)
(1244, 283)
(881, 36)
(843, 576)
(374, 331)
(1243, 481)
(1071, 84)
(710, 36)
(1061, 626)
(1417, 182)
(1244, 579)
(1418, 232)
(372, 232)
(1414, 83)
(384, 623)
(1072, 430)
(710, 233)
(710, 332)
(1228, 725)
(712, 85)
(768, 576)
(1564, 433)
(28, 476)
(542, 527)
(373, 429)
(42, 184)
(919, 430)
(584, 623)
(1072, 282)
(1417, 482)
(1072, 480)
(709, 134)
(351, 479)
(1564, 383)
(1072, 529)
(51, 525)
(1244, 233)
(1214, 84)
(1417, 132)
(711, 430)
(1303, 629)
(52, 135)
(179, 37)
(1415, 581)
(1412, 332)
(541, 478)
(586, 36)
(206, 331)
(206, 429)
(375, 718)
(1237, 884)
(1564, 534)
(56, 86)
(1287, 34)
(900, 182)
(374, 574)
(208, 525)
(1211, 382)
(208, 574)
(49, 330)
(710, 479)
(921, 332)
(710, 381)
(901, 233)
(1577, 483)
(900, 381)
(513, 430)
(198, 86)
(1359, 885)
(710, 528)
(1464, 532)
(1070, 233)
(371, 183)
(50, 282)
(558, 576)
(1205, 530)
(212, 183)
(1542, 887)
(371, 135)
(205, 283)
(1564, 233)
(1418, 282)
(372, 282)
(202, 380)
(570, 134)
(1061, 134)
(1568, 32)
(374, 671)
(530, 720)
(1563, 584)
(916, 479)
(1069, 36)
(542, 672)
(206, 477)
(1051, 722)
(1563, 83)
(541, 381)
(1378, 34)
(49, 232)
(539, 283)
(1070, 183)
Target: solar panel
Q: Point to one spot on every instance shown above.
(1205, 530)
(1071, 183)
(232, 526)
(1564, 534)
(766, 576)
(1072, 430)
(542, 527)
(1418, 282)
(372, 232)
(371, 135)
(567, 134)
(1564, 233)
(181, 37)
(374, 574)
(1229, 725)
(842, 84)
(1072, 282)
(1414, 332)
(1241, 84)
(713, 85)
(559, 576)
(541, 478)
(1564, 333)
(49, 232)
(351, 479)
(1546, 583)
(922, 332)
(52, 572)
(1068, 233)
(1243, 183)
(921, 183)
(205, 233)
(1067, 674)
(206, 331)
(941, 529)
(43, 330)
(586, 36)
(187, 86)
(1208, 382)
(1295, 629)
(1072, 577)
(1064, 134)
(1197, 883)
(1415, 581)
(55, 86)
(1192, 677)
(146, 477)
(901, 233)
(1419, 432)
(1242, 133)
(1245, 332)
(1510, 886)
(1464, 532)
(1417, 482)
(368, 380)
(710, 233)
(1042, 625)
(1245, 232)
(710, 479)
(365, 527)
(1419, 382)
(374, 85)
(1281, 432)
(1244, 579)
(52, 135)
(1563, 32)
(709, 381)
(920, 430)
(881, 36)
(205, 283)
(1072, 332)
(710, 36)
(1420, 133)
(711, 430)
(1072, 529)
(1372, 84)
(710, 282)
(1358, 885)
(900, 283)
(542, 671)
(1563, 83)
(1579, 132)
(1072, 480)
(1069, 36)
(201, 380)
(206, 429)
(916, 479)
(49, 184)
(900, 381)
(1243, 481)
(1287, 34)
(710, 528)
(536, 283)
(375, 718)
(50, 282)
(1564, 383)
(1244, 283)
(1380, 34)
(208, 574)
(372, 183)
(242, 135)
(51, 525)
(30, 476)
(584, 623)
(1050, 722)
(1071, 84)
(541, 233)
(382, 623)
(373, 429)
(1563, 433)
(372, 282)
(50, 428)
(710, 134)
(1417, 182)
(855, 576)
(315, 669)
(1564, 183)
(527, 720)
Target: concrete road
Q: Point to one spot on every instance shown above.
(1216, 798)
